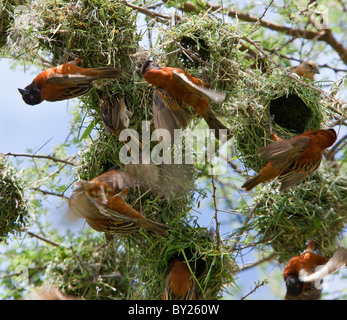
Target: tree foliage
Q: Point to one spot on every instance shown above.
(246, 50)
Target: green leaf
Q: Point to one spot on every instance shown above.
(88, 130)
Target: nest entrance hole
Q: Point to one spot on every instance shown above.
(197, 46)
(291, 113)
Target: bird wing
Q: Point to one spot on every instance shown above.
(116, 222)
(112, 114)
(335, 263)
(79, 206)
(285, 151)
(291, 178)
(62, 78)
(169, 113)
(71, 85)
(215, 96)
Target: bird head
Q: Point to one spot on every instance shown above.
(149, 64)
(310, 67)
(334, 132)
(294, 285)
(31, 95)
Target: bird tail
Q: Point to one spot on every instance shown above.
(106, 72)
(154, 226)
(336, 262)
(251, 183)
(215, 124)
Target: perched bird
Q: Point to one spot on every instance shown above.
(65, 81)
(294, 159)
(105, 211)
(301, 277)
(177, 89)
(180, 283)
(306, 69)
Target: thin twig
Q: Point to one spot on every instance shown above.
(55, 244)
(52, 243)
(214, 189)
(50, 193)
(255, 288)
(152, 14)
(266, 9)
(325, 35)
(255, 264)
(41, 157)
(331, 153)
(240, 232)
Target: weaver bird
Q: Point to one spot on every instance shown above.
(294, 159)
(116, 114)
(301, 278)
(65, 81)
(180, 283)
(306, 69)
(105, 211)
(177, 89)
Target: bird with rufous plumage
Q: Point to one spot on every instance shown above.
(292, 160)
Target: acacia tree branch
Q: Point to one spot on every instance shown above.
(324, 35)
(164, 18)
(214, 189)
(50, 193)
(292, 76)
(332, 152)
(65, 161)
(255, 264)
(52, 243)
(258, 285)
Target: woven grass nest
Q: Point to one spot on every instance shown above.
(296, 109)
(14, 216)
(313, 210)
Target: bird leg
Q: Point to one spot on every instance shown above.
(123, 193)
(270, 122)
(76, 59)
(272, 135)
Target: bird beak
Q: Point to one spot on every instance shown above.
(23, 92)
(315, 70)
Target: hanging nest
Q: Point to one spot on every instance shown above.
(316, 209)
(99, 32)
(296, 109)
(186, 235)
(95, 271)
(14, 215)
